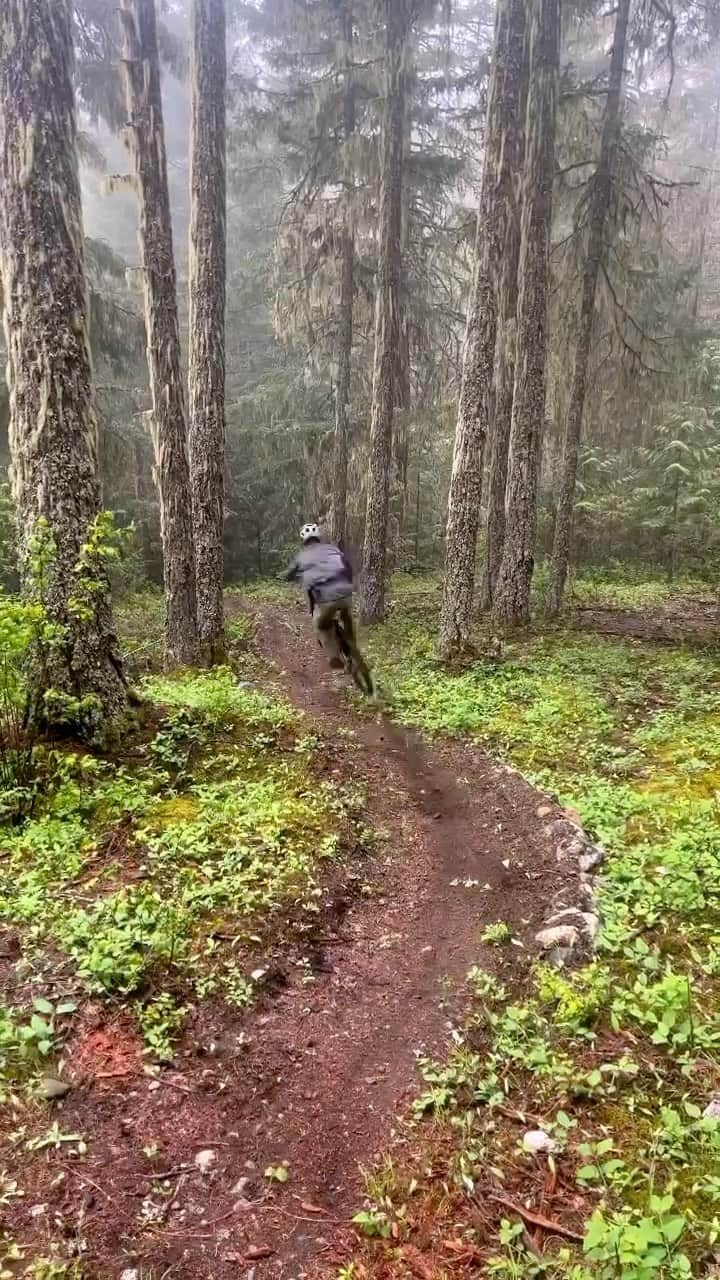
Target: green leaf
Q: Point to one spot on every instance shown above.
(43, 1006)
(596, 1232)
(673, 1228)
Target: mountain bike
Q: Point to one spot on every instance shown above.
(353, 661)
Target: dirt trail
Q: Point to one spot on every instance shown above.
(680, 621)
(463, 846)
(317, 1075)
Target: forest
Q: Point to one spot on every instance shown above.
(385, 948)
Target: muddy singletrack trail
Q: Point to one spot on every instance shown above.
(318, 1074)
(462, 846)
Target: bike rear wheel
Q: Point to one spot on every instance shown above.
(355, 664)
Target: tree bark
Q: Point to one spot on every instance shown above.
(504, 366)
(495, 214)
(598, 210)
(512, 595)
(387, 326)
(147, 146)
(338, 513)
(706, 207)
(206, 374)
(53, 425)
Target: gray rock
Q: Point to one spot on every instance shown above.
(572, 849)
(131, 1274)
(592, 924)
(712, 1110)
(562, 829)
(205, 1160)
(561, 935)
(537, 1141)
(559, 957)
(593, 857)
(53, 1088)
(566, 916)
(585, 893)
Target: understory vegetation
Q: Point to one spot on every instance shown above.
(615, 1064)
(145, 884)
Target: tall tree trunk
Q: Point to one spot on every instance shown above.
(599, 207)
(706, 207)
(494, 215)
(338, 514)
(504, 366)
(206, 373)
(387, 326)
(53, 425)
(147, 146)
(512, 594)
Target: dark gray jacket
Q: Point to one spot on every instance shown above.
(324, 571)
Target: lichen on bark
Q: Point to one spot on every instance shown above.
(76, 676)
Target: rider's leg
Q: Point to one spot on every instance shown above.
(324, 622)
(346, 618)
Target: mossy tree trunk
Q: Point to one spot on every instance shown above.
(207, 317)
(387, 317)
(496, 213)
(595, 255)
(511, 604)
(77, 678)
(146, 135)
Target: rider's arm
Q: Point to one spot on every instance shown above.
(292, 573)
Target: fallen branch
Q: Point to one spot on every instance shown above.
(539, 1220)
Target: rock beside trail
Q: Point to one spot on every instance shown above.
(206, 1160)
(572, 924)
(593, 857)
(53, 1088)
(538, 1141)
(560, 935)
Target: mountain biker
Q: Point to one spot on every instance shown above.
(327, 579)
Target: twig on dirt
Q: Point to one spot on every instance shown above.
(83, 1177)
(168, 1206)
(206, 1226)
(184, 1088)
(538, 1219)
(170, 1173)
(521, 1117)
(297, 1217)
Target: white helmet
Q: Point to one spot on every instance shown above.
(309, 531)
